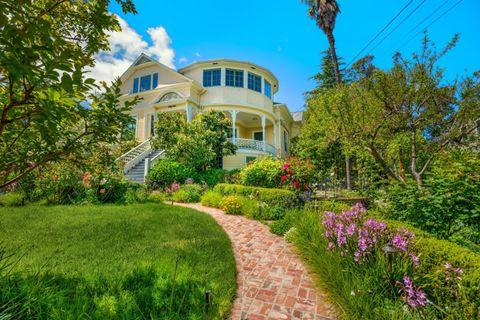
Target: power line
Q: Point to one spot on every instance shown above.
(381, 31)
(431, 23)
(399, 24)
(426, 18)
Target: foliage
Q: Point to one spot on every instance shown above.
(212, 199)
(232, 204)
(280, 227)
(136, 195)
(115, 262)
(271, 197)
(188, 193)
(165, 172)
(156, 197)
(448, 205)
(211, 177)
(198, 143)
(264, 172)
(44, 113)
(346, 252)
(12, 199)
(298, 174)
(407, 114)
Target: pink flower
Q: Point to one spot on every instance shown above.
(296, 184)
(415, 259)
(415, 297)
(290, 172)
(285, 166)
(283, 178)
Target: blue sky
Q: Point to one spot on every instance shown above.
(280, 36)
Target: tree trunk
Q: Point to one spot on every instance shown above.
(338, 80)
(333, 51)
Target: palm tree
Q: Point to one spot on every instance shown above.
(324, 12)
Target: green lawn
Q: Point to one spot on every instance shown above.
(121, 262)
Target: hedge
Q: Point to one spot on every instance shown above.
(272, 197)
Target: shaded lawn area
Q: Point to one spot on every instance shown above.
(121, 262)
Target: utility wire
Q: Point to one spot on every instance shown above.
(431, 23)
(381, 31)
(399, 24)
(426, 18)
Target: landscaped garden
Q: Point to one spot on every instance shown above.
(113, 262)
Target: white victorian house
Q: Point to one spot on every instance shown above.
(242, 90)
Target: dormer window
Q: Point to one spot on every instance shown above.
(145, 83)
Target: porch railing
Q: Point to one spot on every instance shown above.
(250, 144)
(134, 156)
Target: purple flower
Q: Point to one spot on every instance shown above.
(415, 297)
(351, 229)
(414, 258)
(399, 242)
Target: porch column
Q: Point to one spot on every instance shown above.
(264, 121)
(144, 126)
(189, 113)
(234, 120)
(136, 126)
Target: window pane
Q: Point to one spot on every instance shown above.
(207, 78)
(155, 80)
(216, 77)
(258, 136)
(254, 82)
(135, 85)
(268, 89)
(145, 83)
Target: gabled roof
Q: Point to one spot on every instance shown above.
(144, 59)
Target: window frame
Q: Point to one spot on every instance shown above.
(257, 131)
(155, 80)
(252, 82)
(269, 91)
(212, 78)
(145, 77)
(237, 82)
(136, 82)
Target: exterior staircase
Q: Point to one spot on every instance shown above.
(138, 161)
(137, 173)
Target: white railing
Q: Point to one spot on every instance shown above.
(134, 156)
(250, 144)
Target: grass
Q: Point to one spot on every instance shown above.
(144, 261)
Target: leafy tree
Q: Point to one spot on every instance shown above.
(47, 106)
(407, 114)
(198, 143)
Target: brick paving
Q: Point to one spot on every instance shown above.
(273, 282)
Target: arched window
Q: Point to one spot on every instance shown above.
(169, 96)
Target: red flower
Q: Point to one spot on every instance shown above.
(290, 172)
(283, 177)
(296, 184)
(285, 166)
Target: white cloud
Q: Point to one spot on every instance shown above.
(126, 46)
(183, 60)
(197, 55)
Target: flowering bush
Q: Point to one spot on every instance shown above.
(232, 205)
(383, 270)
(297, 174)
(264, 172)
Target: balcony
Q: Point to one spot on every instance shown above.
(253, 145)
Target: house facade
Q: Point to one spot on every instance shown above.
(243, 91)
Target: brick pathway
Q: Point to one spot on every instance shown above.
(273, 283)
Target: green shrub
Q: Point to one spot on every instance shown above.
(447, 205)
(212, 199)
(138, 194)
(156, 197)
(272, 197)
(11, 199)
(266, 212)
(264, 172)
(166, 172)
(370, 290)
(232, 204)
(211, 177)
(232, 177)
(280, 227)
(326, 205)
(189, 193)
